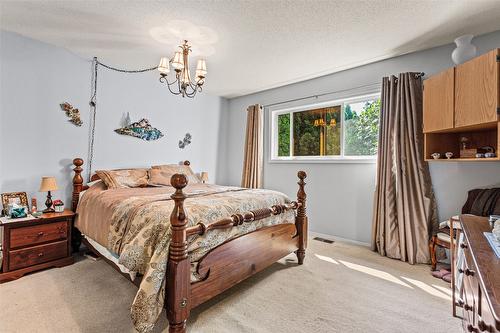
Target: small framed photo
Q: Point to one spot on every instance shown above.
(19, 198)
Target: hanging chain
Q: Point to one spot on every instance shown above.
(93, 105)
(93, 102)
(126, 70)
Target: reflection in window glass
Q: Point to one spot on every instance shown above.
(317, 132)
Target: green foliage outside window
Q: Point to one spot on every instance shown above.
(284, 134)
(361, 130)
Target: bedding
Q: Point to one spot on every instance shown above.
(134, 223)
(124, 178)
(166, 171)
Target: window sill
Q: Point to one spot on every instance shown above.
(340, 160)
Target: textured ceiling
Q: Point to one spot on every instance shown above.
(250, 45)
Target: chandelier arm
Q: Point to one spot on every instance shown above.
(178, 92)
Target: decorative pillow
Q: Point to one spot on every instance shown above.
(159, 175)
(124, 178)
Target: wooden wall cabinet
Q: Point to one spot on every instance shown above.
(476, 90)
(439, 101)
(463, 101)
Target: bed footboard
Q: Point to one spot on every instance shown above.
(232, 261)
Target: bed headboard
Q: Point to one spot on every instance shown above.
(78, 181)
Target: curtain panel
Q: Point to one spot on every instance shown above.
(254, 148)
(405, 213)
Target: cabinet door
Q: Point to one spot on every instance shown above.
(476, 90)
(439, 101)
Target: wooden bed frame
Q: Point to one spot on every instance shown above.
(227, 264)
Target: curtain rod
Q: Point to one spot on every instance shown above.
(417, 75)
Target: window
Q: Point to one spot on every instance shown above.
(336, 130)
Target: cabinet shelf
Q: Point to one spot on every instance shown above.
(493, 159)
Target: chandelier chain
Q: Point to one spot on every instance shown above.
(128, 70)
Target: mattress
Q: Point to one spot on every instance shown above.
(113, 257)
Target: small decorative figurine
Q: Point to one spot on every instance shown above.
(436, 156)
(33, 205)
(464, 140)
(448, 155)
(186, 141)
(72, 113)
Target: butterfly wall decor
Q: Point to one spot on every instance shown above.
(186, 141)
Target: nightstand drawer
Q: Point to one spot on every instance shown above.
(37, 254)
(38, 234)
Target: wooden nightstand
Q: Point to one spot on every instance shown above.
(36, 244)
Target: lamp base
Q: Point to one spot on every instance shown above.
(48, 204)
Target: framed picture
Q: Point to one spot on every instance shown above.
(19, 198)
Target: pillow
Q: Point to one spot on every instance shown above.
(124, 178)
(159, 175)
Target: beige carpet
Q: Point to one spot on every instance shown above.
(340, 288)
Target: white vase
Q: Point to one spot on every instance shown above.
(465, 49)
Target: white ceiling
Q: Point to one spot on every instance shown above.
(250, 45)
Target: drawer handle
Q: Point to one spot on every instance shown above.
(469, 272)
(40, 254)
(467, 307)
(460, 270)
(470, 328)
(40, 234)
(463, 246)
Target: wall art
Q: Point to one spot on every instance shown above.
(72, 113)
(142, 130)
(186, 141)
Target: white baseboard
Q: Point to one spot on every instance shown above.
(336, 238)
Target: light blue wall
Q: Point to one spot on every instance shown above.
(341, 195)
(36, 138)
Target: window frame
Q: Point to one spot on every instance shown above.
(273, 121)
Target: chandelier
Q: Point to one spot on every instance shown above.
(183, 84)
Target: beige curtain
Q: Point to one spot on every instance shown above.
(404, 214)
(252, 163)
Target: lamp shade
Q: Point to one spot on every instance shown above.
(204, 176)
(164, 66)
(178, 62)
(201, 68)
(48, 184)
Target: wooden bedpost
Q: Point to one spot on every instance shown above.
(76, 235)
(77, 182)
(301, 218)
(178, 267)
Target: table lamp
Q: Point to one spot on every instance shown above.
(204, 177)
(48, 184)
